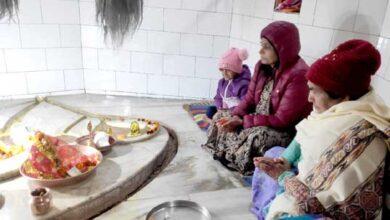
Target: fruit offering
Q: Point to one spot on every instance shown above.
(7, 151)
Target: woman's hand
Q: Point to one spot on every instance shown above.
(273, 167)
(230, 124)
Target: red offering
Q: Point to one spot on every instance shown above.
(51, 158)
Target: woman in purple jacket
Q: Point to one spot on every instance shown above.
(234, 84)
(275, 102)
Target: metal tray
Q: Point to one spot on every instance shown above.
(179, 210)
(68, 180)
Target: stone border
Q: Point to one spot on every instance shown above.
(97, 205)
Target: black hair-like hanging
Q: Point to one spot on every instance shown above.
(119, 18)
(8, 7)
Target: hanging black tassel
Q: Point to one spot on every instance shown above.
(8, 7)
(119, 18)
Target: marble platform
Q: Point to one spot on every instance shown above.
(192, 174)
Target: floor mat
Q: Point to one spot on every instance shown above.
(198, 111)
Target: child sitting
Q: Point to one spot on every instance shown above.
(234, 84)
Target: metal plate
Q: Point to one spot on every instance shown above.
(122, 128)
(68, 180)
(84, 141)
(179, 210)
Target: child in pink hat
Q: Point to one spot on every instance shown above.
(234, 84)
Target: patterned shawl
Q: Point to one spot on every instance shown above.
(343, 160)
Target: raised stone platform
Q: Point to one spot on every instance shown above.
(123, 170)
(192, 173)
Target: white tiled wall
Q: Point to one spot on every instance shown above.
(40, 51)
(176, 49)
(173, 54)
(323, 24)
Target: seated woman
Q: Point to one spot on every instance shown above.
(339, 150)
(275, 102)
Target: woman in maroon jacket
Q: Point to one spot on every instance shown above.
(275, 102)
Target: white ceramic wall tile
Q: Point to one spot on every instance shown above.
(252, 28)
(90, 58)
(207, 68)
(220, 45)
(280, 16)
(153, 19)
(40, 36)
(382, 88)
(2, 62)
(136, 42)
(264, 8)
(200, 5)
(99, 80)
(30, 11)
(308, 60)
(179, 65)
(214, 23)
(373, 39)
(131, 82)
(164, 3)
(187, 20)
(88, 13)
(114, 60)
(370, 15)
(89, 36)
(213, 88)
(340, 37)
(315, 41)
(12, 84)
(9, 36)
(306, 15)
(163, 85)
(237, 26)
(74, 79)
(254, 56)
(239, 43)
(45, 81)
(60, 12)
(193, 87)
(386, 23)
(163, 42)
(197, 45)
(25, 60)
(70, 35)
(224, 6)
(336, 14)
(64, 58)
(244, 7)
(146, 63)
(384, 48)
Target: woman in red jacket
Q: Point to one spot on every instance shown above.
(275, 102)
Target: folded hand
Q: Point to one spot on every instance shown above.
(273, 167)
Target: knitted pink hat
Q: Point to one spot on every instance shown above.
(232, 59)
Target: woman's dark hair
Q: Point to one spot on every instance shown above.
(268, 70)
(334, 95)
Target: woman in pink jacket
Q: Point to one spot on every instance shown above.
(275, 102)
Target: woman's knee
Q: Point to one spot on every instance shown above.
(274, 152)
